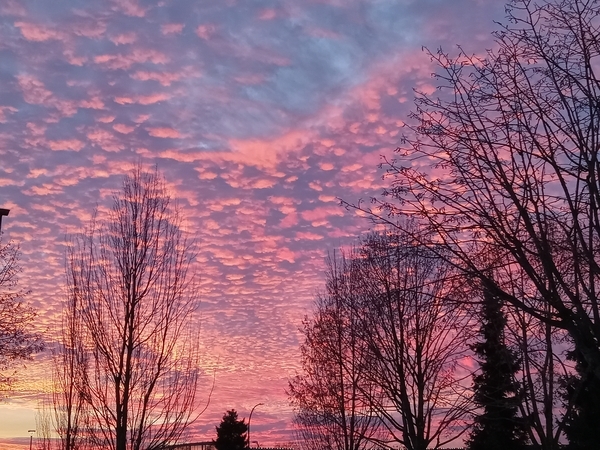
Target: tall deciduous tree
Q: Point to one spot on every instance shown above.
(513, 139)
(333, 395)
(383, 351)
(416, 337)
(231, 433)
(17, 341)
(132, 304)
(71, 374)
(497, 425)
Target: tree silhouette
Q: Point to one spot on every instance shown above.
(582, 402)
(332, 397)
(504, 158)
(17, 341)
(231, 433)
(131, 302)
(497, 427)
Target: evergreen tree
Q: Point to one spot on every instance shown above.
(231, 433)
(582, 392)
(497, 427)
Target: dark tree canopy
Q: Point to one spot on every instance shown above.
(582, 401)
(497, 426)
(231, 433)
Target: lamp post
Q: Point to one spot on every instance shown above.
(30, 438)
(249, 419)
(3, 212)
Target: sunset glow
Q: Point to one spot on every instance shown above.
(260, 115)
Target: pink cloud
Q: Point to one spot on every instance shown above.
(13, 8)
(180, 156)
(308, 236)
(263, 183)
(289, 221)
(205, 31)
(4, 110)
(92, 103)
(267, 14)
(143, 99)
(124, 100)
(66, 144)
(327, 198)
(152, 98)
(321, 213)
(36, 129)
(287, 209)
(104, 140)
(164, 78)
(141, 118)
(106, 119)
(44, 189)
(315, 186)
(283, 200)
(130, 8)
(37, 33)
(172, 28)
(286, 254)
(207, 175)
(34, 91)
(90, 28)
(124, 38)
(125, 61)
(74, 60)
(263, 153)
(163, 132)
(351, 168)
(122, 128)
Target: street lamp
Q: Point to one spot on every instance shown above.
(30, 435)
(3, 212)
(249, 419)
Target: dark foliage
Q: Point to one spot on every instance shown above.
(231, 433)
(497, 427)
(582, 401)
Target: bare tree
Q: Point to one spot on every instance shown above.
(44, 426)
(71, 372)
(416, 338)
(506, 160)
(17, 341)
(542, 352)
(132, 301)
(333, 395)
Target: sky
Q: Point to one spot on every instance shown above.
(260, 114)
